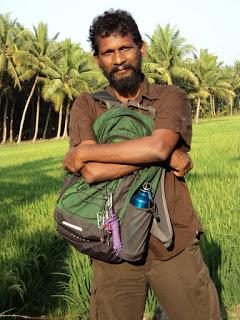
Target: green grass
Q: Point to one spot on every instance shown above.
(31, 251)
(214, 186)
(40, 274)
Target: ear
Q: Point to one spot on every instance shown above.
(143, 49)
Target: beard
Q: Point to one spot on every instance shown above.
(125, 85)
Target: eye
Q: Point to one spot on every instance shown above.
(108, 53)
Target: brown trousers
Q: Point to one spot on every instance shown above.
(182, 286)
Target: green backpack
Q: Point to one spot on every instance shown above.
(81, 207)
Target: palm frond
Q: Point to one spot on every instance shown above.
(3, 62)
(186, 74)
(27, 75)
(13, 74)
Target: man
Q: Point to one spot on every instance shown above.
(177, 275)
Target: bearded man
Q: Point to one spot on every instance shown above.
(177, 275)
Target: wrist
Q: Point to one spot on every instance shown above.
(81, 153)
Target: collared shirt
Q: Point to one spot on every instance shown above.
(172, 112)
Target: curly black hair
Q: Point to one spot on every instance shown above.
(113, 22)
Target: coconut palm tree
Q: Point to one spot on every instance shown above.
(36, 55)
(166, 53)
(211, 83)
(232, 74)
(8, 33)
(7, 93)
(9, 77)
(69, 76)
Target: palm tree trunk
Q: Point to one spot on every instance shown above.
(65, 133)
(213, 106)
(25, 110)
(1, 80)
(11, 122)
(37, 117)
(210, 99)
(198, 110)
(59, 122)
(231, 106)
(47, 121)
(4, 135)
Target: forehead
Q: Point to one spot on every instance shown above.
(114, 42)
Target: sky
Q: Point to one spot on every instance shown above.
(211, 24)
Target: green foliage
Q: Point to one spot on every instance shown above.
(31, 252)
(8, 40)
(77, 288)
(211, 83)
(66, 76)
(232, 76)
(165, 58)
(36, 52)
(151, 305)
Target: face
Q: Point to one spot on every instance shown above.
(120, 60)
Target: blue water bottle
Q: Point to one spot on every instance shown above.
(143, 198)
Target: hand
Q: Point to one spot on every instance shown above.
(181, 163)
(72, 160)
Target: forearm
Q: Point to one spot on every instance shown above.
(139, 151)
(94, 172)
(127, 152)
(145, 150)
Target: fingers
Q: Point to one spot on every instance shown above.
(71, 162)
(190, 165)
(184, 169)
(67, 162)
(178, 174)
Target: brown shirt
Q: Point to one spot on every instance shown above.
(172, 112)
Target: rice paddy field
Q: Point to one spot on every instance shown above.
(40, 275)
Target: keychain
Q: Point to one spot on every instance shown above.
(111, 225)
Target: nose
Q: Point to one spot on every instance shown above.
(119, 58)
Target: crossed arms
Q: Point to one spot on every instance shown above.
(101, 162)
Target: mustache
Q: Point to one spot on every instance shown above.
(121, 68)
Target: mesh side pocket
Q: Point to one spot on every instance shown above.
(134, 232)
